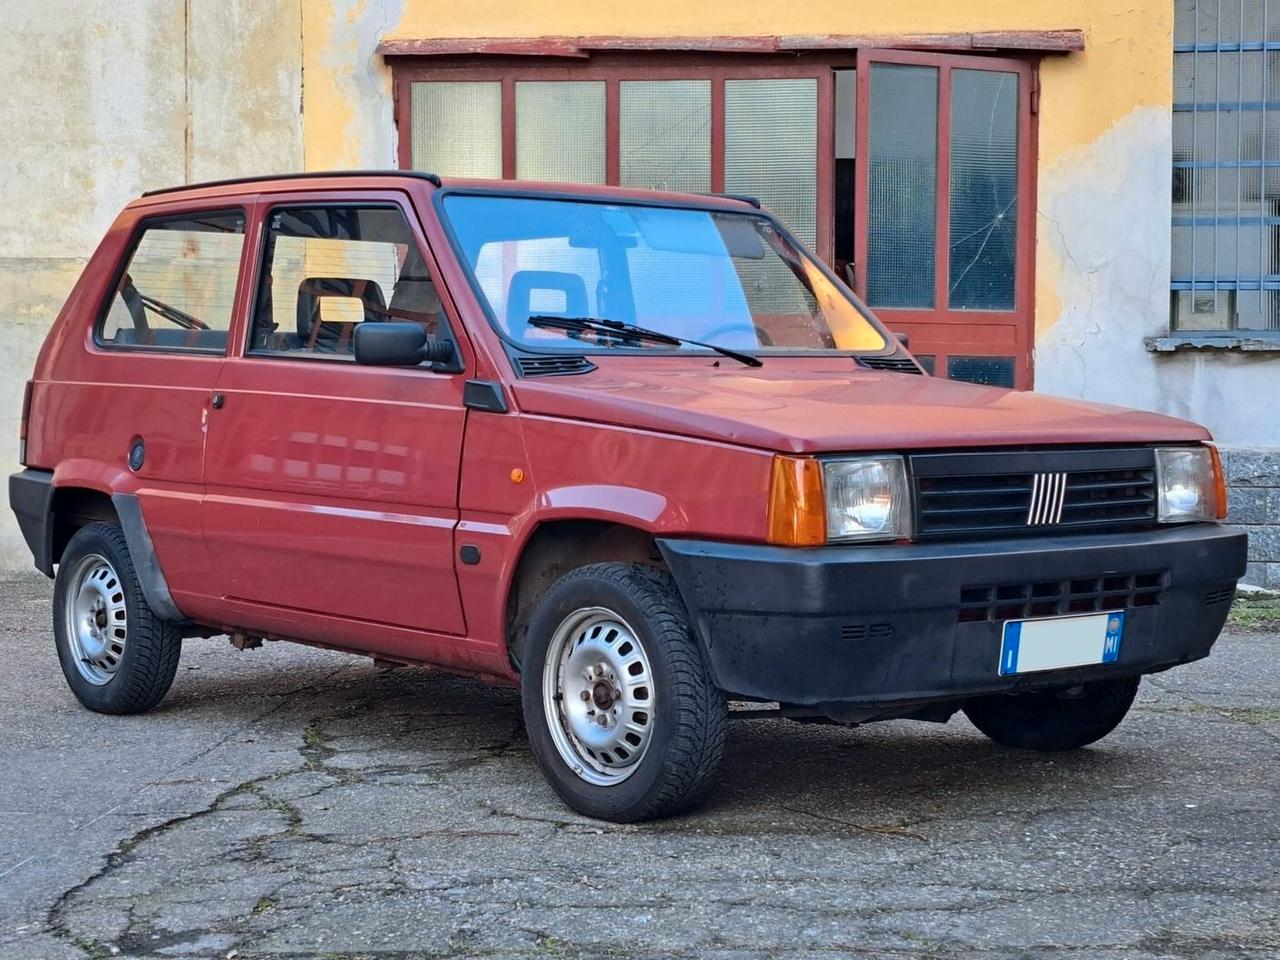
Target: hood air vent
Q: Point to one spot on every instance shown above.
(894, 364)
(548, 366)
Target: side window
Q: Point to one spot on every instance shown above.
(177, 290)
(327, 269)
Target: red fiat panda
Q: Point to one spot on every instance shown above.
(638, 453)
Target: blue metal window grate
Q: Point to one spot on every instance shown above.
(1226, 165)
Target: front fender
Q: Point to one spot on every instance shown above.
(630, 506)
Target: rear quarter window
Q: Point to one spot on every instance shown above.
(177, 287)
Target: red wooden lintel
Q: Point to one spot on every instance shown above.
(1039, 41)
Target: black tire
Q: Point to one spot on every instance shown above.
(690, 721)
(1062, 719)
(145, 669)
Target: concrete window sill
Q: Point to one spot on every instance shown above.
(1259, 343)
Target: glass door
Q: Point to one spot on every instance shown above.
(943, 186)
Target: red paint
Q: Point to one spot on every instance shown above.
(326, 502)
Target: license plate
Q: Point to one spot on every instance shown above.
(1053, 643)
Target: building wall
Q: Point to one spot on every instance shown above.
(104, 99)
(116, 97)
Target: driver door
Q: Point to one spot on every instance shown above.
(332, 487)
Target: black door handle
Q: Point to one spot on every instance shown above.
(217, 401)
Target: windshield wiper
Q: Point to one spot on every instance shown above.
(601, 325)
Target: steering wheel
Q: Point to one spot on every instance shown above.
(738, 326)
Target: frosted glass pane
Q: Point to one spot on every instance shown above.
(457, 128)
(771, 148)
(560, 130)
(664, 136)
(901, 208)
(984, 189)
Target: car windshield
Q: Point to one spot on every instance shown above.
(725, 278)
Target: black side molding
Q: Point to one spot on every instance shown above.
(484, 395)
(143, 554)
(30, 498)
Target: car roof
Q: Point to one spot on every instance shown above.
(374, 179)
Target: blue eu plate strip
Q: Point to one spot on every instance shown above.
(1111, 647)
(1009, 651)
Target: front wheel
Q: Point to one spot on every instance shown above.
(117, 654)
(1062, 719)
(622, 714)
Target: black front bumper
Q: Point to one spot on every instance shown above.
(884, 624)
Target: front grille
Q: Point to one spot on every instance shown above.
(1052, 598)
(1006, 494)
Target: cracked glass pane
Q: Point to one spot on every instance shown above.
(984, 190)
(901, 208)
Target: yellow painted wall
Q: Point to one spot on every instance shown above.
(1126, 64)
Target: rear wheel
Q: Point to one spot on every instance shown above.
(622, 713)
(1061, 719)
(118, 656)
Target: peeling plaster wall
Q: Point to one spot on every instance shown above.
(104, 99)
(348, 108)
(1104, 223)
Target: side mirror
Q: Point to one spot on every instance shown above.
(904, 340)
(398, 345)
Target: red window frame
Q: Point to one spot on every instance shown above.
(612, 69)
(938, 331)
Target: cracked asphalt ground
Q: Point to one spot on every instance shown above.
(296, 803)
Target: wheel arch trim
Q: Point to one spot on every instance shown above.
(142, 551)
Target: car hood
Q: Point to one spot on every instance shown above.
(814, 405)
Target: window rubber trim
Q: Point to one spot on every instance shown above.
(122, 267)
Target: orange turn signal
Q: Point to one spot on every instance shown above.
(1219, 482)
(797, 506)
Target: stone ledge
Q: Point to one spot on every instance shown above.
(1173, 343)
(1263, 575)
(1264, 542)
(1252, 466)
(1253, 505)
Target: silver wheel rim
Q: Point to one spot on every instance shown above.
(96, 620)
(598, 696)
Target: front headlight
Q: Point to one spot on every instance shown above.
(867, 499)
(1189, 484)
